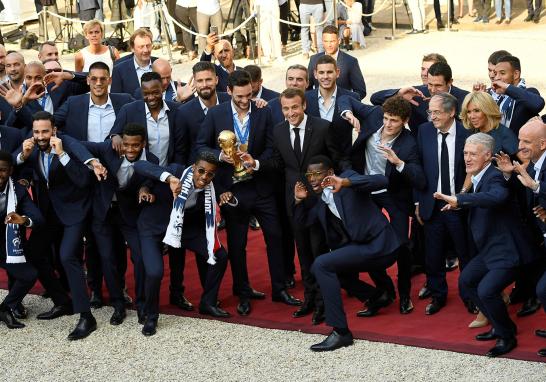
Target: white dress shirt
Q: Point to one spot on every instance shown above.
(450, 142)
(478, 177)
(140, 70)
(327, 112)
(328, 198)
(204, 107)
(158, 133)
(100, 120)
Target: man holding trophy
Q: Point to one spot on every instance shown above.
(240, 142)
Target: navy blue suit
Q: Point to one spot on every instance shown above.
(72, 117)
(437, 223)
(419, 113)
(276, 111)
(5, 111)
(366, 244)
(64, 199)
(10, 138)
(255, 196)
(191, 117)
(193, 239)
(135, 112)
(124, 76)
(497, 247)
(220, 72)
(342, 130)
(528, 104)
(268, 94)
(350, 75)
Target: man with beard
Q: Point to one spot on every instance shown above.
(223, 52)
(62, 189)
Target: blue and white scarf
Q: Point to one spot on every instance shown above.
(173, 236)
(507, 105)
(14, 247)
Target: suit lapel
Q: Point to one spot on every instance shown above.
(84, 116)
(459, 146)
(307, 138)
(339, 206)
(285, 136)
(434, 152)
(252, 123)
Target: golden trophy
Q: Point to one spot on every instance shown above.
(228, 144)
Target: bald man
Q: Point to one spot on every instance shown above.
(223, 52)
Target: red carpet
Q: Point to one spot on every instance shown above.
(446, 330)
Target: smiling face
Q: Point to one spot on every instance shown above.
(297, 78)
(532, 141)
(315, 175)
(205, 83)
(34, 74)
(477, 118)
(15, 67)
(241, 96)
(438, 84)
(293, 110)
(133, 146)
(224, 53)
(326, 75)
(98, 81)
(203, 173)
(152, 93)
(442, 120)
(476, 157)
(392, 124)
(42, 131)
(48, 53)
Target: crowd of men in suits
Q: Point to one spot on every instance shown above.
(353, 187)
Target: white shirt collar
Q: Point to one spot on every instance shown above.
(540, 161)
(334, 94)
(451, 130)
(141, 157)
(146, 67)
(91, 103)
(234, 111)
(162, 112)
(259, 95)
(476, 178)
(203, 106)
(334, 56)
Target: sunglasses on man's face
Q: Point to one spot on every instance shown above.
(56, 70)
(208, 174)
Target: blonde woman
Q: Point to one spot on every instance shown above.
(96, 50)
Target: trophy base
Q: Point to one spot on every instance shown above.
(241, 176)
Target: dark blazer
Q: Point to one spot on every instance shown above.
(220, 72)
(352, 204)
(528, 104)
(268, 94)
(260, 144)
(500, 243)
(276, 111)
(68, 188)
(72, 116)
(342, 130)
(350, 75)
(10, 139)
(317, 141)
(401, 184)
(427, 143)
(135, 112)
(5, 111)
(419, 113)
(124, 76)
(190, 117)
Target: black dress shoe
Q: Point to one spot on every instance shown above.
(536, 19)
(334, 341)
(253, 224)
(256, 295)
(530, 306)
(141, 316)
(503, 346)
(181, 302)
(374, 305)
(435, 306)
(406, 306)
(6, 316)
(542, 352)
(318, 316)
(528, 18)
(244, 308)
(56, 312)
(95, 301)
(213, 311)
(305, 310)
(286, 298)
(118, 316)
(84, 327)
(424, 293)
(487, 336)
(290, 283)
(471, 307)
(540, 333)
(20, 312)
(221, 224)
(149, 328)
(440, 25)
(452, 264)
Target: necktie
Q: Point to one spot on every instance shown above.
(444, 167)
(297, 143)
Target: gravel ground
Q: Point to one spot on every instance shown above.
(203, 350)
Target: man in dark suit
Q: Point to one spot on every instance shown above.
(517, 102)
(350, 75)
(116, 206)
(25, 214)
(323, 103)
(440, 144)
(62, 194)
(296, 140)
(497, 246)
(223, 52)
(386, 147)
(258, 91)
(356, 244)
(165, 140)
(439, 80)
(211, 262)
(297, 78)
(253, 134)
(10, 138)
(127, 74)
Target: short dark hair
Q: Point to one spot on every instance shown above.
(238, 78)
(330, 29)
(434, 57)
(43, 116)
(293, 93)
(441, 69)
(512, 60)
(254, 71)
(207, 156)
(100, 66)
(50, 43)
(134, 129)
(6, 157)
(323, 160)
(326, 60)
(150, 76)
(494, 57)
(398, 106)
(201, 66)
